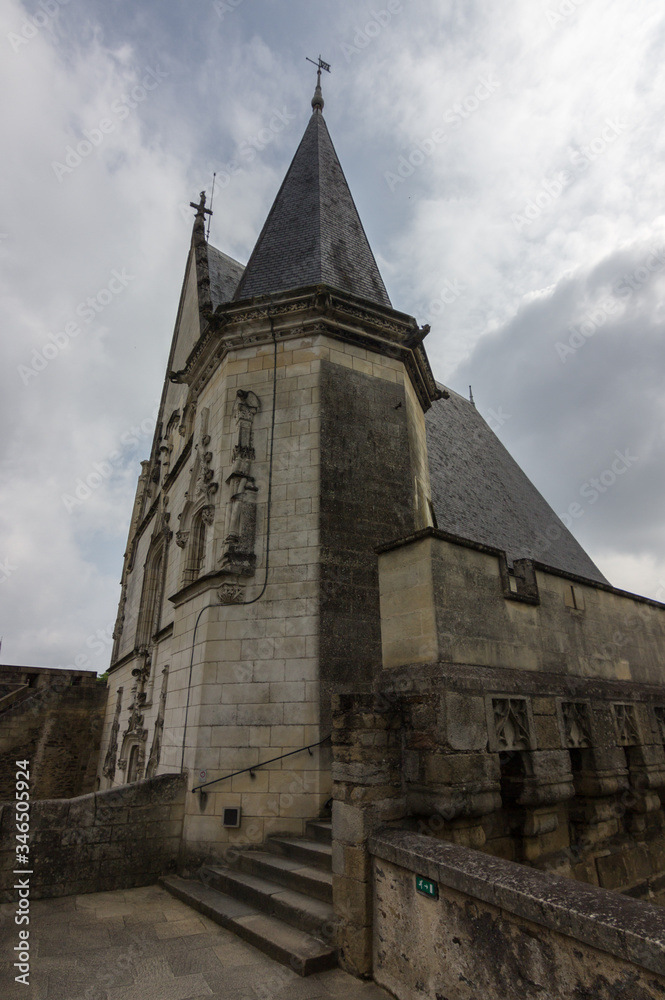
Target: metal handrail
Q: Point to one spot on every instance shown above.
(263, 763)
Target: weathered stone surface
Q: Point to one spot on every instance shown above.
(506, 932)
(102, 840)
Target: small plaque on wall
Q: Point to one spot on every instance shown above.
(427, 887)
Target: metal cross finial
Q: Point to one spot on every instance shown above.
(317, 100)
(201, 209)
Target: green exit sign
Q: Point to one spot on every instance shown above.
(427, 887)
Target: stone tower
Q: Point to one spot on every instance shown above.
(290, 444)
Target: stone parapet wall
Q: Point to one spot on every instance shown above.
(450, 600)
(116, 839)
(567, 777)
(502, 931)
(566, 774)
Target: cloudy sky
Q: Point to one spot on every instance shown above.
(506, 160)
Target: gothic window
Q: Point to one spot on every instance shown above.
(196, 545)
(151, 596)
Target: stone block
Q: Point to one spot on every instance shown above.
(266, 715)
(350, 825)
(82, 811)
(352, 900)
(465, 722)
(548, 734)
(454, 769)
(612, 871)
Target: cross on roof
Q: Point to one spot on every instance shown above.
(201, 207)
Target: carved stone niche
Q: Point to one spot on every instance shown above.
(509, 723)
(238, 556)
(575, 724)
(625, 720)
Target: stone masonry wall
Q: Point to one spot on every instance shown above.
(566, 776)
(367, 498)
(56, 724)
(453, 601)
(114, 839)
(254, 691)
(501, 931)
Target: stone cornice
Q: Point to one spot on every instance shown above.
(318, 309)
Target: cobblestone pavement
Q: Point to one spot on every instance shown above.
(142, 944)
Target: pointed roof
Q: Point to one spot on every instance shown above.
(313, 234)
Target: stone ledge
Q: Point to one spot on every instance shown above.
(629, 929)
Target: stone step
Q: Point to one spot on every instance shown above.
(288, 872)
(295, 908)
(312, 852)
(288, 945)
(320, 829)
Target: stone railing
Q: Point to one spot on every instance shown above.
(502, 931)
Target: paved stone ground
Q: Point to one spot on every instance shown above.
(142, 944)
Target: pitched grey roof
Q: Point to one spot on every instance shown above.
(225, 273)
(313, 233)
(480, 492)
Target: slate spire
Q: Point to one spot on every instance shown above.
(313, 234)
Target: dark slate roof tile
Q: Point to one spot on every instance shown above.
(479, 492)
(225, 273)
(313, 234)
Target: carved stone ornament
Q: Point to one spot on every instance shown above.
(204, 487)
(120, 620)
(208, 516)
(231, 593)
(576, 724)
(156, 748)
(238, 556)
(511, 723)
(108, 769)
(181, 538)
(625, 717)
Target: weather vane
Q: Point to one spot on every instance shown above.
(319, 66)
(317, 100)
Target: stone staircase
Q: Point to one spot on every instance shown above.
(279, 898)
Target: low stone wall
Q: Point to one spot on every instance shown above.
(115, 839)
(502, 931)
